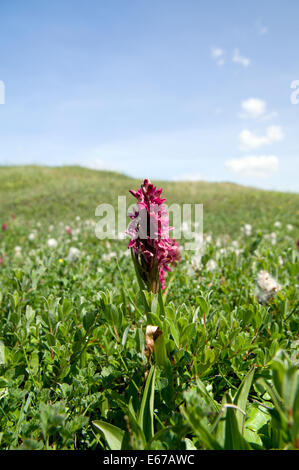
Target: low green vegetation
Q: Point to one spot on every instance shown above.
(75, 372)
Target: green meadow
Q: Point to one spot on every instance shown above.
(75, 372)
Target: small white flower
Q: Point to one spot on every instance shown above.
(108, 256)
(280, 261)
(51, 228)
(247, 230)
(198, 237)
(78, 218)
(267, 286)
(290, 227)
(52, 243)
(196, 261)
(185, 227)
(273, 238)
(221, 252)
(218, 242)
(31, 236)
(277, 224)
(90, 223)
(190, 270)
(121, 236)
(211, 265)
(74, 253)
(18, 251)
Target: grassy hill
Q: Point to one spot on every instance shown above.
(54, 194)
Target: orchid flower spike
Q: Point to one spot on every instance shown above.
(154, 251)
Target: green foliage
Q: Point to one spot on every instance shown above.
(113, 435)
(73, 371)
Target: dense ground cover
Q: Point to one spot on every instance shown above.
(75, 374)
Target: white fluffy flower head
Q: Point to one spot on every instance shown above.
(267, 286)
(74, 253)
(52, 243)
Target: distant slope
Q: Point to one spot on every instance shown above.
(54, 194)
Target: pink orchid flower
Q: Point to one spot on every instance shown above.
(153, 249)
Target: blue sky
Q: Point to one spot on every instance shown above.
(162, 89)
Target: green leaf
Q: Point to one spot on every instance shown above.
(113, 435)
(141, 284)
(125, 335)
(174, 332)
(200, 429)
(276, 400)
(50, 339)
(258, 416)
(88, 319)
(189, 444)
(204, 306)
(160, 299)
(138, 433)
(241, 397)
(160, 353)
(146, 413)
(233, 438)
(154, 303)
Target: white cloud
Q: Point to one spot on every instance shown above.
(262, 166)
(94, 163)
(238, 59)
(218, 55)
(261, 28)
(274, 134)
(269, 116)
(255, 108)
(248, 140)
